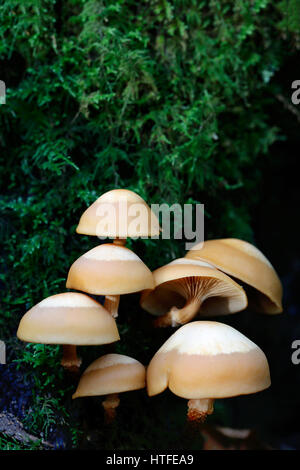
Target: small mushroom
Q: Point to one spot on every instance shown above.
(110, 375)
(119, 214)
(246, 263)
(110, 270)
(185, 287)
(205, 360)
(69, 319)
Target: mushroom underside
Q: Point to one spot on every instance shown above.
(179, 301)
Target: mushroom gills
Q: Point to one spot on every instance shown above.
(195, 290)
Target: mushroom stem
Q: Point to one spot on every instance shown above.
(179, 316)
(111, 304)
(110, 404)
(120, 241)
(70, 361)
(198, 409)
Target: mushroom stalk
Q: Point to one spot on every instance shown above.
(110, 404)
(70, 361)
(179, 316)
(111, 302)
(120, 241)
(198, 409)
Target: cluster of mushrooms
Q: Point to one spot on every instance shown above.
(202, 360)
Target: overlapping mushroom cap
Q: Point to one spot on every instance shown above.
(110, 374)
(206, 360)
(69, 318)
(109, 269)
(119, 213)
(194, 286)
(246, 263)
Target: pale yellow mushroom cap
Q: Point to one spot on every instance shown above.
(205, 359)
(68, 318)
(109, 269)
(185, 279)
(119, 213)
(245, 262)
(112, 373)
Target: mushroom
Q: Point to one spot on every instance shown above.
(69, 319)
(205, 360)
(185, 287)
(246, 263)
(119, 214)
(110, 375)
(110, 270)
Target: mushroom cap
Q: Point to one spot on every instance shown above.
(206, 359)
(68, 318)
(245, 262)
(112, 373)
(109, 269)
(132, 216)
(186, 278)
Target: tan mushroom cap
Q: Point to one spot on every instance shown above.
(119, 213)
(185, 279)
(68, 318)
(109, 269)
(245, 262)
(112, 373)
(207, 359)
